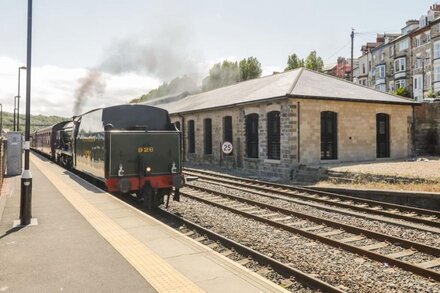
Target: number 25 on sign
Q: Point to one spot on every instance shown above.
(227, 148)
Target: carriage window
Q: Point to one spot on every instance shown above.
(329, 138)
(207, 127)
(273, 135)
(191, 137)
(382, 135)
(252, 135)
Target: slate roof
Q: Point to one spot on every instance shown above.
(297, 83)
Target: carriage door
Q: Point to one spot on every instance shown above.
(329, 137)
(383, 135)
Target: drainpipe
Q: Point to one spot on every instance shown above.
(413, 131)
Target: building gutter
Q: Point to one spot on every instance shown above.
(272, 99)
(409, 103)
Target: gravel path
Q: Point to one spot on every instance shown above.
(428, 238)
(335, 266)
(428, 168)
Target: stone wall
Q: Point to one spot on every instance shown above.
(356, 130)
(262, 165)
(427, 129)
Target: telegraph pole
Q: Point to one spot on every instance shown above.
(352, 43)
(26, 178)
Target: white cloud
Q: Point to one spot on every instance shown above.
(53, 88)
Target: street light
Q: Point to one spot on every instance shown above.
(18, 96)
(26, 178)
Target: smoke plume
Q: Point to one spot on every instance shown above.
(91, 85)
(164, 55)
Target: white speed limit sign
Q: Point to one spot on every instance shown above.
(227, 147)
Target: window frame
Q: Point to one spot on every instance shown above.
(274, 135)
(400, 65)
(387, 152)
(228, 132)
(207, 136)
(252, 142)
(191, 137)
(437, 72)
(436, 46)
(380, 71)
(329, 119)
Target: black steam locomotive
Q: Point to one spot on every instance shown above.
(130, 148)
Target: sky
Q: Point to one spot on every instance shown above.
(138, 44)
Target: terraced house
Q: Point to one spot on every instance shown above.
(410, 60)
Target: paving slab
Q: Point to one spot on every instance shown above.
(88, 240)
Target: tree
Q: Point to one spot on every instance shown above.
(294, 62)
(314, 62)
(250, 68)
(222, 74)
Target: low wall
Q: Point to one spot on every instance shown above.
(427, 129)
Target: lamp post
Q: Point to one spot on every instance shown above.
(26, 178)
(18, 97)
(15, 111)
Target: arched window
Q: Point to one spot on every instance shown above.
(207, 129)
(273, 135)
(191, 137)
(383, 135)
(329, 135)
(252, 135)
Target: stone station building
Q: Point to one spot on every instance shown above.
(280, 122)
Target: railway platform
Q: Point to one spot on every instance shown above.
(86, 240)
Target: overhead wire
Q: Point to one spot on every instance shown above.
(339, 50)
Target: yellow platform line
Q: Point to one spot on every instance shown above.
(162, 276)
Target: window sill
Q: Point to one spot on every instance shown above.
(331, 161)
(252, 159)
(272, 161)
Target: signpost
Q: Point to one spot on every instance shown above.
(227, 148)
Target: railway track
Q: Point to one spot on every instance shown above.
(317, 230)
(281, 268)
(427, 220)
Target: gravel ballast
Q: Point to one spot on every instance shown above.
(332, 265)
